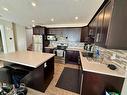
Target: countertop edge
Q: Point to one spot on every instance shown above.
(99, 72)
(25, 64)
(103, 73)
(45, 60)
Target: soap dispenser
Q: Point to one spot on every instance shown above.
(97, 52)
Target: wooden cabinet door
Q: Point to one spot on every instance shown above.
(103, 20)
(99, 27)
(71, 57)
(96, 84)
(39, 30)
(106, 22)
(91, 28)
(84, 34)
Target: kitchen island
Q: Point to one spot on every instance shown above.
(42, 64)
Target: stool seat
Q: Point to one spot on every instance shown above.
(5, 75)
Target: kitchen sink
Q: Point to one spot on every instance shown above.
(112, 66)
(87, 54)
(91, 58)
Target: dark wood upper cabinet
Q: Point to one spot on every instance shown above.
(106, 22)
(110, 25)
(117, 35)
(84, 33)
(39, 30)
(99, 30)
(91, 30)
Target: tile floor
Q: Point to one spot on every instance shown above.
(52, 90)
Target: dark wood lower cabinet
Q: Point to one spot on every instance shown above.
(71, 56)
(49, 50)
(96, 84)
(40, 77)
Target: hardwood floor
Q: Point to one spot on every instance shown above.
(52, 90)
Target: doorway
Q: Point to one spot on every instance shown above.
(1, 44)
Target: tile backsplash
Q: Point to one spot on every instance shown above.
(69, 44)
(120, 56)
(67, 36)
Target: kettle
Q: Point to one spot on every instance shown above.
(89, 47)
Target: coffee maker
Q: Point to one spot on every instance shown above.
(89, 46)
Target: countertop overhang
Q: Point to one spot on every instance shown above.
(51, 47)
(27, 58)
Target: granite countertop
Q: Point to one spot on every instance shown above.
(75, 48)
(27, 58)
(96, 67)
(51, 47)
(69, 48)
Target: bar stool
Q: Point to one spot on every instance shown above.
(17, 72)
(5, 76)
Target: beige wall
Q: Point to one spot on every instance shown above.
(20, 37)
(8, 30)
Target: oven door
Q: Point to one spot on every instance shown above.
(60, 53)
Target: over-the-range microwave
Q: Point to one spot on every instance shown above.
(51, 38)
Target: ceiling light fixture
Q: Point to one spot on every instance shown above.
(52, 19)
(76, 18)
(33, 4)
(6, 9)
(33, 25)
(33, 21)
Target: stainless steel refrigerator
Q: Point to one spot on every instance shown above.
(38, 43)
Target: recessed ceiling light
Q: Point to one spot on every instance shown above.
(76, 18)
(52, 19)
(33, 25)
(6, 9)
(33, 20)
(33, 4)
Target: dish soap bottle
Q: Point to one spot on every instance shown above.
(97, 53)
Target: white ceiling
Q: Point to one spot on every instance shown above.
(63, 12)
